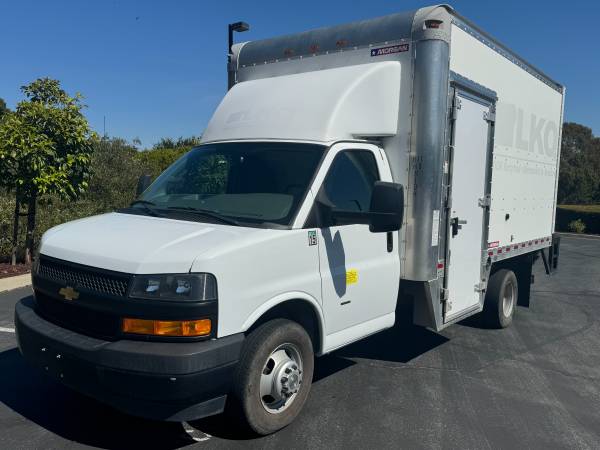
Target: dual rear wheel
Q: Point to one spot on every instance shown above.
(500, 299)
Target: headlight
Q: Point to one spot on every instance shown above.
(193, 287)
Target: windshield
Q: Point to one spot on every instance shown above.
(247, 183)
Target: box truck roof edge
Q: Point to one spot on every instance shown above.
(408, 25)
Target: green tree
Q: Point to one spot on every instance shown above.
(579, 180)
(45, 148)
(181, 142)
(156, 160)
(3, 108)
(115, 171)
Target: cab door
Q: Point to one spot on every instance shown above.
(360, 270)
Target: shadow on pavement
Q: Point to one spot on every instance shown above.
(76, 417)
(400, 344)
(81, 419)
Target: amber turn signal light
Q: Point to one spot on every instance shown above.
(201, 327)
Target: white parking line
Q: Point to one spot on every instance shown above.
(195, 434)
(6, 330)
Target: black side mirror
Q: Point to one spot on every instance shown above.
(385, 214)
(143, 182)
(387, 207)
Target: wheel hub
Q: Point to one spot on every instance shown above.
(508, 299)
(288, 379)
(281, 378)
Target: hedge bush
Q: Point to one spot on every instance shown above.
(116, 166)
(588, 214)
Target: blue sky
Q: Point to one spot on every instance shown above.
(157, 68)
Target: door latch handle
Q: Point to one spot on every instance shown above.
(456, 225)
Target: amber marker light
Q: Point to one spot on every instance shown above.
(191, 328)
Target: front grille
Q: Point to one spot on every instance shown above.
(77, 318)
(89, 278)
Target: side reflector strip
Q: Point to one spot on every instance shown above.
(495, 250)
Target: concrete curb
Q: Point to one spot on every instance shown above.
(10, 283)
(580, 235)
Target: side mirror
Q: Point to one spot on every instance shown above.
(387, 207)
(143, 182)
(385, 214)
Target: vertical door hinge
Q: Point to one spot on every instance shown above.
(455, 107)
(480, 287)
(444, 295)
(447, 192)
(446, 304)
(485, 202)
(490, 116)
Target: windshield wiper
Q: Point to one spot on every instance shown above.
(146, 206)
(142, 202)
(207, 213)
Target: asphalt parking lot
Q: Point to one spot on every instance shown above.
(533, 385)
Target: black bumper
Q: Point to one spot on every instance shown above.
(175, 381)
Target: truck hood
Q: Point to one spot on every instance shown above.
(137, 244)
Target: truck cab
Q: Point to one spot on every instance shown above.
(294, 242)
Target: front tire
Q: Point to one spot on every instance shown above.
(274, 375)
(500, 299)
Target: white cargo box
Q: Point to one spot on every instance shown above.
(470, 129)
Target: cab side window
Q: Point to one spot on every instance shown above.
(350, 180)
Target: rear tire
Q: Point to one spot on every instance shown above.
(274, 375)
(500, 299)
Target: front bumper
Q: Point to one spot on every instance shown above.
(174, 381)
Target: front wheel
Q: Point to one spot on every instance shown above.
(274, 375)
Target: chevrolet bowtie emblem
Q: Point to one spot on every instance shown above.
(69, 293)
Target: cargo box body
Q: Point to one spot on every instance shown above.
(469, 128)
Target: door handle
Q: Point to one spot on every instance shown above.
(456, 225)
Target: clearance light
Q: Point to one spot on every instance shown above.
(200, 327)
(434, 23)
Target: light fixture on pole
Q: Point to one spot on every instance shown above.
(239, 27)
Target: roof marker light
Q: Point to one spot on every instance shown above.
(434, 23)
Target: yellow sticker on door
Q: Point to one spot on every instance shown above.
(351, 276)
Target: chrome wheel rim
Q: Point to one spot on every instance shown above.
(508, 299)
(281, 378)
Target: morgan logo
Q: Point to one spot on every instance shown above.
(381, 51)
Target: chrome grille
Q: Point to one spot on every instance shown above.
(85, 277)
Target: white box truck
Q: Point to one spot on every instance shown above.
(408, 160)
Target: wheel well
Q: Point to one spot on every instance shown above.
(296, 310)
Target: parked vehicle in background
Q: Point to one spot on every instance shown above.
(349, 171)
